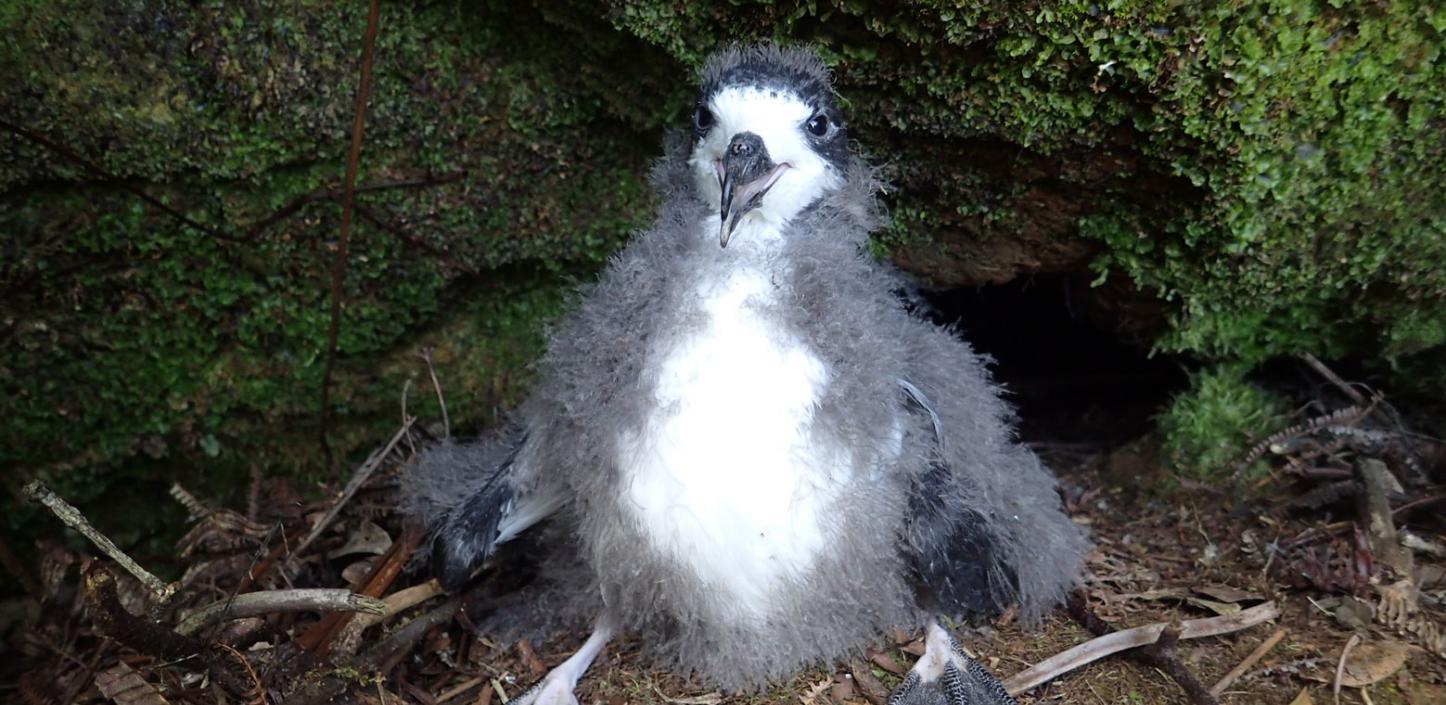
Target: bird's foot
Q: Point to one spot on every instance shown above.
(556, 688)
(553, 689)
(945, 675)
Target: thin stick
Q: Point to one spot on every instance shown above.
(1235, 673)
(350, 636)
(102, 173)
(397, 230)
(1333, 378)
(253, 604)
(1341, 666)
(406, 392)
(399, 641)
(1161, 655)
(321, 194)
(358, 479)
(1115, 642)
(459, 689)
(72, 517)
(348, 196)
(401, 600)
(441, 400)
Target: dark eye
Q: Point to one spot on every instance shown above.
(702, 118)
(819, 125)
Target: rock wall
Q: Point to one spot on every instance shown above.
(1238, 180)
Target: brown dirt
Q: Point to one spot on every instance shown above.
(1154, 547)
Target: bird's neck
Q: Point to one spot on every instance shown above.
(757, 236)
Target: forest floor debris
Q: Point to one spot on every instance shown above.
(1321, 608)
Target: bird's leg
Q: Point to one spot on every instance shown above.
(556, 688)
(944, 675)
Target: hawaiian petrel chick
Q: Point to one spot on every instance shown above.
(740, 444)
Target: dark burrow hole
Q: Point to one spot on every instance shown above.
(1072, 377)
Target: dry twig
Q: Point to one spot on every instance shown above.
(319, 638)
(96, 169)
(70, 516)
(363, 473)
(1341, 666)
(348, 197)
(396, 602)
(1333, 378)
(1254, 658)
(1115, 642)
(441, 399)
(253, 604)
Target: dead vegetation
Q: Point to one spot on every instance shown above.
(1338, 546)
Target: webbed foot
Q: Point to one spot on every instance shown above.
(556, 688)
(945, 675)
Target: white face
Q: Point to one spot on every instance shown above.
(780, 118)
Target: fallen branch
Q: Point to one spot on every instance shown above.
(441, 399)
(363, 473)
(399, 642)
(348, 198)
(1375, 509)
(72, 517)
(1333, 378)
(1115, 642)
(96, 169)
(1341, 666)
(319, 637)
(327, 194)
(1235, 673)
(1161, 655)
(116, 622)
(394, 603)
(253, 604)
(459, 689)
(400, 232)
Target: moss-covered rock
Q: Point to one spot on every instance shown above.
(1270, 170)
(129, 332)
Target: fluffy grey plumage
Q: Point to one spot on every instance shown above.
(953, 516)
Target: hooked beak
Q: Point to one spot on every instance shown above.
(745, 173)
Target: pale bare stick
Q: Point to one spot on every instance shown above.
(72, 517)
(1254, 658)
(358, 479)
(1341, 666)
(1115, 642)
(400, 600)
(459, 689)
(1333, 378)
(441, 400)
(252, 604)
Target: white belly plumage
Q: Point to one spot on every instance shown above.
(727, 476)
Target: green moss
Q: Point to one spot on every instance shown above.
(126, 329)
(1271, 170)
(1209, 428)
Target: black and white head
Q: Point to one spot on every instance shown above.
(768, 137)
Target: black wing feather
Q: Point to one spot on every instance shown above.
(468, 534)
(954, 550)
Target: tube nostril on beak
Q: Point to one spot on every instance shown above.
(745, 144)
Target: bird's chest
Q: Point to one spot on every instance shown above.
(728, 475)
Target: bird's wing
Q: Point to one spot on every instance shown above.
(475, 496)
(953, 548)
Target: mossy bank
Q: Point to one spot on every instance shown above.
(1265, 175)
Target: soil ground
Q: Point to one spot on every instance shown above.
(1166, 550)
(1156, 550)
